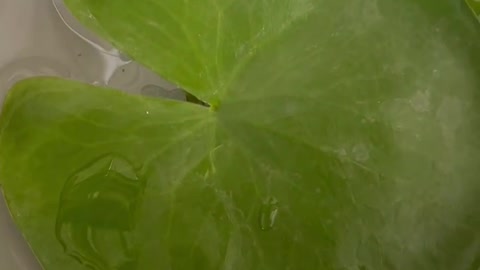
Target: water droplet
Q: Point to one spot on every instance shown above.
(360, 153)
(158, 91)
(268, 214)
(96, 217)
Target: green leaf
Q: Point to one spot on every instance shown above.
(474, 6)
(343, 136)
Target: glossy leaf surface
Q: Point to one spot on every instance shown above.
(343, 135)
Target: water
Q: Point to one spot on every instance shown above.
(101, 239)
(158, 91)
(46, 40)
(14, 253)
(40, 37)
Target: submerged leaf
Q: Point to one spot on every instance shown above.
(342, 135)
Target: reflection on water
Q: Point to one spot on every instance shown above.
(97, 214)
(48, 40)
(118, 70)
(75, 26)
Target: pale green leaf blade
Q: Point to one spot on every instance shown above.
(369, 110)
(347, 139)
(76, 162)
(200, 45)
